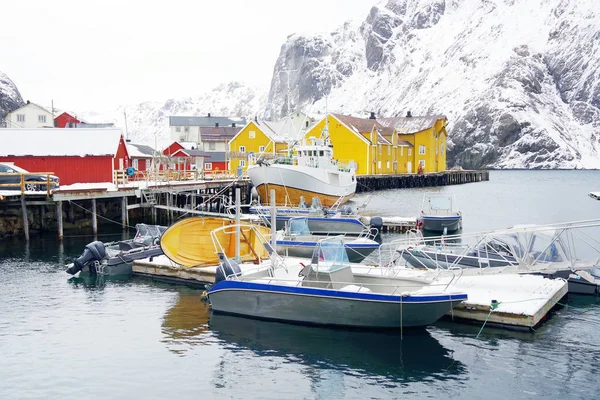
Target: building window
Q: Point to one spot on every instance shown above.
(378, 164)
(436, 150)
(186, 129)
(388, 164)
(389, 150)
(242, 163)
(212, 146)
(134, 163)
(442, 148)
(177, 129)
(261, 149)
(409, 152)
(207, 166)
(252, 134)
(402, 150)
(379, 148)
(242, 149)
(42, 119)
(422, 149)
(20, 117)
(182, 138)
(422, 163)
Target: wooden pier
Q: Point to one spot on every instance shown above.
(368, 183)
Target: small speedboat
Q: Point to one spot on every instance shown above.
(297, 240)
(439, 214)
(115, 258)
(325, 291)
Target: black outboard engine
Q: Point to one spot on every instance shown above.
(376, 224)
(94, 251)
(228, 267)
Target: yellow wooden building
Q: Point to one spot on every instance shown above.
(386, 145)
(265, 139)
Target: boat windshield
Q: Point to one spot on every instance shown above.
(299, 226)
(330, 255)
(440, 203)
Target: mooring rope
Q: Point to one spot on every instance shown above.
(100, 216)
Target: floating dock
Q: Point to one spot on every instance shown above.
(518, 302)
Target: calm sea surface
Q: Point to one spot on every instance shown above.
(68, 338)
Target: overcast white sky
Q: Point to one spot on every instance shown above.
(95, 55)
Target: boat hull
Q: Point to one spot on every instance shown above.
(292, 183)
(328, 226)
(314, 306)
(440, 223)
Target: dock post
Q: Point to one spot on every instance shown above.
(94, 218)
(59, 219)
(237, 225)
(25, 219)
(42, 215)
(124, 213)
(273, 222)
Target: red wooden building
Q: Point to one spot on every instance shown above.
(75, 155)
(65, 120)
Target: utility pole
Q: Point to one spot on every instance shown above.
(125, 115)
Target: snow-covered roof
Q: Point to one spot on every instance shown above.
(30, 104)
(205, 121)
(408, 125)
(138, 150)
(59, 142)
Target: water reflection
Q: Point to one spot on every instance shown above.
(185, 322)
(415, 356)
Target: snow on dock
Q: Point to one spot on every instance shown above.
(509, 301)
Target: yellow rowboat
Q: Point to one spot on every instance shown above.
(189, 242)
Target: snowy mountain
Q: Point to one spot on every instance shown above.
(518, 80)
(148, 122)
(10, 98)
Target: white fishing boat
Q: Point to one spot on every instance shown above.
(595, 195)
(439, 213)
(310, 171)
(570, 251)
(324, 291)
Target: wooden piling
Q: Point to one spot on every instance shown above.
(59, 219)
(25, 219)
(124, 213)
(94, 218)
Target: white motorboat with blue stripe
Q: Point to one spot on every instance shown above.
(324, 291)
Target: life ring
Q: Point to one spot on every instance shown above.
(130, 171)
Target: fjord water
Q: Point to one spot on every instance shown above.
(69, 338)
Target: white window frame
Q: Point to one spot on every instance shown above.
(401, 151)
(436, 150)
(134, 163)
(422, 149)
(212, 146)
(208, 166)
(251, 134)
(242, 163)
(421, 162)
(261, 149)
(409, 152)
(177, 129)
(242, 149)
(20, 117)
(379, 164)
(388, 164)
(379, 148)
(389, 150)
(42, 119)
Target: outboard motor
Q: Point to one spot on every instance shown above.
(376, 224)
(227, 267)
(94, 251)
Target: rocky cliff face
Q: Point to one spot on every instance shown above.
(518, 80)
(10, 98)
